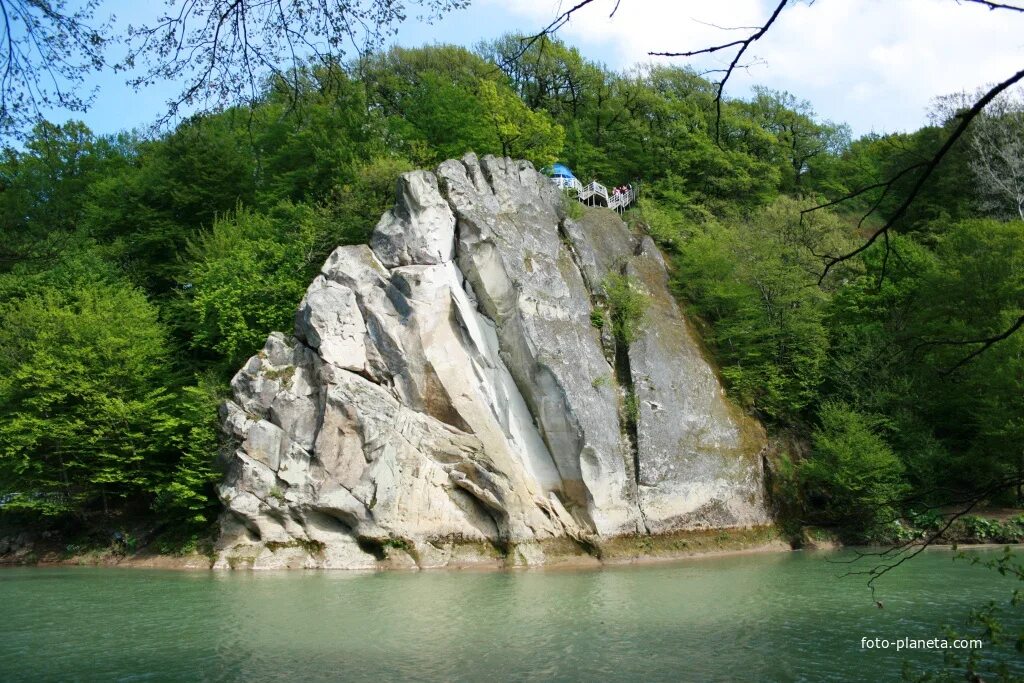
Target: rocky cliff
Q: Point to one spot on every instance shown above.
(450, 396)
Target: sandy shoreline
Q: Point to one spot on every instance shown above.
(617, 558)
(197, 563)
(617, 552)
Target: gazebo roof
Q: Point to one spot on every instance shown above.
(561, 171)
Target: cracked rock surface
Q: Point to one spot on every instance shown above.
(446, 399)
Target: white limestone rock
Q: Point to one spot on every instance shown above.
(442, 402)
(699, 456)
(420, 228)
(329, 322)
(524, 277)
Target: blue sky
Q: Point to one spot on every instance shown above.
(874, 64)
(118, 107)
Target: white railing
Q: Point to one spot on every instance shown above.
(615, 199)
(566, 183)
(621, 200)
(594, 189)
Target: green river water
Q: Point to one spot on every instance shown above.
(771, 617)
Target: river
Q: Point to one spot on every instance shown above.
(771, 616)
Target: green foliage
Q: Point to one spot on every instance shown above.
(145, 212)
(627, 304)
(785, 495)
(83, 388)
(573, 209)
(138, 273)
(852, 479)
(668, 228)
(521, 132)
(45, 186)
(246, 275)
(188, 495)
(800, 141)
(305, 152)
(356, 206)
(754, 283)
(631, 409)
(981, 527)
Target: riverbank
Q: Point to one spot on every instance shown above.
(200, 553)
(53, 552)
(561, 553)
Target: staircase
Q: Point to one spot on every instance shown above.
(596, 194)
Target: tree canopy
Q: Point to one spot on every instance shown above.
(137, 272)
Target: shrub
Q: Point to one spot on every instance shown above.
(627, 303)
(573, 208)
(631, 408)
(246, 274)
(83, 376)
(852, 479)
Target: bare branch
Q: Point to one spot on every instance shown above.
(46, 53)
(558, 22)
(743, 45)
(927, 169)
(993, 5)
(895, 555)
(226, 51)
(986, 344)
(725, 28)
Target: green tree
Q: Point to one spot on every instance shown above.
(44, 186)
(753, 283)
(83, 388)
(852, 478)
(627, 303)
(800, 139)
(521, 132)
(145, 213)
(187, 496)
(304, 149)
(245, 278)
(429, 101)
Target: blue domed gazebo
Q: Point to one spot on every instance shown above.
(562, 176)
(560, 171)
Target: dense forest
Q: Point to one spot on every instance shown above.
(138, 272)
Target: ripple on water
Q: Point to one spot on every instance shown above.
(770, 617)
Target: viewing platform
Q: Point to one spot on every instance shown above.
(594, 193)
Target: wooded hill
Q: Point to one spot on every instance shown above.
(138, 272)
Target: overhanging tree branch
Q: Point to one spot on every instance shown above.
(927, 168)
(890, 558)
(985, 342)
(222, 51)
(557, 23)
(743, 46)
(46, 53)
(994, 5)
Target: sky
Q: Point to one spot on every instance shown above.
(874, 64)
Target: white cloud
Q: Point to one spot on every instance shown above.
(872, 63)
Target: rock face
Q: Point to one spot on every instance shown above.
(448, 400)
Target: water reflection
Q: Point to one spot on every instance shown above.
(773, 616)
